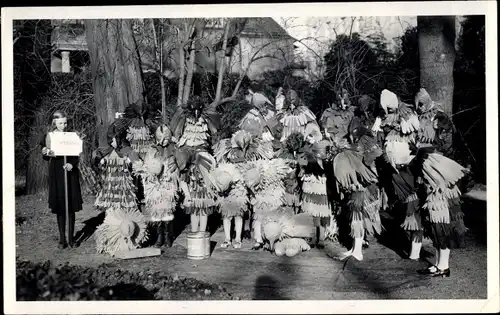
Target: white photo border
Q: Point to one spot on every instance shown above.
(487, 8)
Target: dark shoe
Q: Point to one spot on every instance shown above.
(258, 245)
(62, 245)
(246, 235)
(319, 245)
(434, 271)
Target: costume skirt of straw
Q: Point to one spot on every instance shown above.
(267, 201)
(362, 209)
(202, 201)
(161, 200)
(314, 196)
(443, 218)
(118, 190)
(235, 203)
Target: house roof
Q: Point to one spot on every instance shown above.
(267, 27)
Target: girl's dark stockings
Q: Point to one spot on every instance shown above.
(61, 223)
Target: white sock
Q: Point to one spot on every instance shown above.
(444, 259)
(357, 250)
(257, 231)
(415, 250)
(203, 223)
(238, 226)
(227, 228)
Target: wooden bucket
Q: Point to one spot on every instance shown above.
(196, 246)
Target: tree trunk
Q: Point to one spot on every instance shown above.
(116, 69)
(436, 41)
(190, 70)
(37, 171)
(223, 61)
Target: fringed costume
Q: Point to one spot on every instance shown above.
(160, 178)
(297, 118)
(259, 120)
(264, 179)
(314, 197)
(232, 156)
(356, 180)
(195, 125)
(124, 226)
(436, 128)
(118, 189)
(399, 124)
(286, 231)
(440, 216)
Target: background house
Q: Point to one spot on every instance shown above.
(263, 45)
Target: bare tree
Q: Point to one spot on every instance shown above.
(436, 41)
(116, 69)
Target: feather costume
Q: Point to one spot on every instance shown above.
(233, 155)
(195, 124)
(264, 178)
(436, 128)
(296, 118)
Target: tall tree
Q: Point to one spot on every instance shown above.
(116, 69)
(436, 41)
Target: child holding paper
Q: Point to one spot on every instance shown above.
(56, 183)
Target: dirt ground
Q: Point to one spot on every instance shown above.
(247, 274)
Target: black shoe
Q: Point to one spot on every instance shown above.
(258, 245)
(434, 271)
(62, 245)
(246, 235)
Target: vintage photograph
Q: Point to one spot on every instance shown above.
(250, 158)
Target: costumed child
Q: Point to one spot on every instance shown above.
(57, 168)
(436, 128)
(264, 180)
(195, 124)
(440, 216)
(124, 226)
(295, 118)
(398, 122)
(309, 155)
(335, 119)
(160, 177)
(232, 156)
(357, 182)
(260, 121)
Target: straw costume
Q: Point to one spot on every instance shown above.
(232, 156)
(297, 118)
(440, 216)
(335, 119)
(436, 128)
(398, 122)
(124, 226)
(286, 231)
(309, 157)
(259, 120)
(264, 180)
(195, 124)
(356, 181)
(115, 163)
(160, 176)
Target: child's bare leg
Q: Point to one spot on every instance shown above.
(195, 221)
(203, 223)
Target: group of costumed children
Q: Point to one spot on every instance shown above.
(291, 177)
